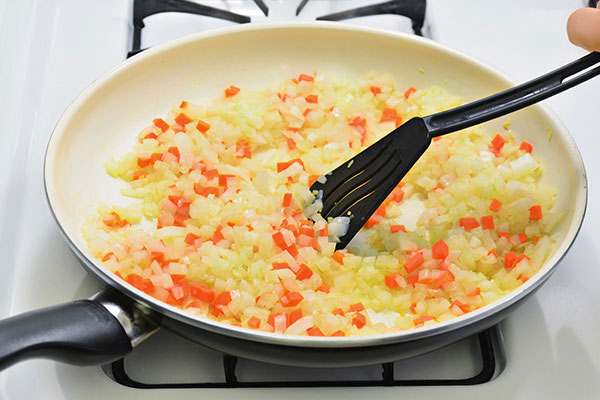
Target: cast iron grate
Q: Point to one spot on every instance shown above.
(412, 9)
(146, 8)
(491, 353)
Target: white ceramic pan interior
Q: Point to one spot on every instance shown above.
(105, 119)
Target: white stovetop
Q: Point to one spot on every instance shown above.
(51, 49)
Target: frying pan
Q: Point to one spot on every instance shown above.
(104, 119)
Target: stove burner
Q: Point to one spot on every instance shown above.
(145, 8)
(413, 9)
(491, 353)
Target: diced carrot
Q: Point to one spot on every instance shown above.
(356, 307)
(110, 256)
(175, 151)
(444, 278)
(526, 146)
(243, 149)
(393, 280)
(439, 250)
(522, 237)
(323, 288)
(465, 308)
(160, 124)
(190, 238)
(151, 135)
(305, 77)
(495, 205)
(138, 174)
(295, 315)
(223, 299)
(359, 124)
(113, 220)
(390, 114)
(371, 222)
(254, 322)
(202, 126)
(509, 259)
(438, 187)
(468, 223)
(287, 200)
(338, 311)
(413, 308)
(359, 320)
(231, 91)
(144, 161)
(293, 250)
(223, 180)
(314, 243)
(312, 98)
(280, 265)
(291, 299)
(487, 222)
(211, 173)
(314, 331)
(284, 165)
(375, 90)
(397, 228)
(312, 179)
(182, 119)
(178, 277)
(474, 292)
(535, 239)
(339, 257)
(148, 286)
(493, 251)
(279, 240)
(216, 311)
(217, 236)
(535, 213)
(409, 91)
(305, 230)
(303, 272)
(504, 235)
(414, 262)
(136, 280)
(291, 144)
(381, 210)
(183, 104)
(338, 333)
(421, 320)
(324, 231)
(498, 141)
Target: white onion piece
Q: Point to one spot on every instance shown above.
(338, 226)
(300, 326)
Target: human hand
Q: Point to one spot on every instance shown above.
(583, 28)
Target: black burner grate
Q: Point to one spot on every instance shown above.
(413, 9)
(491, 353)
(146, 8)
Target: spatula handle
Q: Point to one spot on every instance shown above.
(513, 99)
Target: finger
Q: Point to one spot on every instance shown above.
(583, 28)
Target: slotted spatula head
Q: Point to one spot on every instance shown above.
(357, 187)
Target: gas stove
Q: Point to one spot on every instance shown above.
(54, 48)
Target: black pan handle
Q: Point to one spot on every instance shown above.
(513, 99)
(82, 332)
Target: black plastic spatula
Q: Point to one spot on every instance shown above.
(359, 186)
